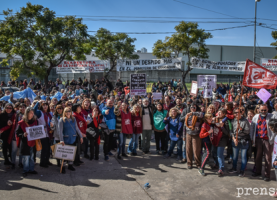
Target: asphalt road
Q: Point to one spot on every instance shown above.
(125, 179)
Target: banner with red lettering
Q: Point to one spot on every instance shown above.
(83, 66)
(256, 76)
(270, 64)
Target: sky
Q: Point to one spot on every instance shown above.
(155, 15)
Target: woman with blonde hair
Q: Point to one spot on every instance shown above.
(67, 129)
(257, 110)
(137, 129)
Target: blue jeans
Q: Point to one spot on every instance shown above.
(179, 147)
(184, 150)
(122, 142)
(14, 150)
(243, 148)
(220, 157)
(133, 144)
(28, 161)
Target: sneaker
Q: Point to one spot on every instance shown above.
(124, 155)
(273, 195)
(118, 157)
(166, 156)
(33, 172)
(184, 161)
(241, 174)
(179, 159)
(266, 179)
(231, 171)
(201, 172)
(110, 154)
(219, 173)
(70, 167)
(106, 158)
(256, 174)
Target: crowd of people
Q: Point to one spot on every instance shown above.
(91, 111)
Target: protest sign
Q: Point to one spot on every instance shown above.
(264, 95)
(150, 64)
(84, 66)
(207, 82)
(149, 87)
(270, 64)
(157, 96)
(35, 132)
(65, 152)
(194, 88)
(138, 84)
(198, 63)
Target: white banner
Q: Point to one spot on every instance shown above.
(157, 96)
(35, 132)
(154, 64)
(268, 63)
(198, 63)
(86, 66)
(65, 152)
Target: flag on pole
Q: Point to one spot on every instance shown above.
(256, 76)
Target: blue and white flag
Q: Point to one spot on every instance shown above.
(58, 95)
(27, 93)
(43, 97)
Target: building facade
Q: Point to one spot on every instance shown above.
(216, 53)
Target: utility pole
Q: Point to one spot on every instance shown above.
(254, 50)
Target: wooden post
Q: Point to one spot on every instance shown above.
(61, 166)
(239, 113)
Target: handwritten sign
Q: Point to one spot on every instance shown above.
(157, 96)
(264, 95)
(66, 152)
(194, 88)
(138, 84)
(35, 132)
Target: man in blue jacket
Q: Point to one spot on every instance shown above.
(110, 119)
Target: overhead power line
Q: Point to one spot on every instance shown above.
(219, 29)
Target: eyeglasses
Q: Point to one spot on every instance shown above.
(9, 108)
(263, 110)
(68, 111)
(235, 112)
(193, 107)
(59, 108)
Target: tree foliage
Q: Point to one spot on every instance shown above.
(188, 40)
(41, 40)
(274, 35)
(109, 46)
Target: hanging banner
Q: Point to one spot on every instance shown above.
(198, 63)
(138, 84)
(256, 76)
(270, 64)
(86, 66)
(149, 64)
(207, 82)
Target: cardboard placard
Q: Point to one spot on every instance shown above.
(157, 96)
(66, 152)
(194, 88)
(35, 132)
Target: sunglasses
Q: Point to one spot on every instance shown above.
(68, 111)
(193, 107)
(59, 108)
(9, 108)
(263, 110)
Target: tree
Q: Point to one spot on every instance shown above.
(274, 35)
(188, 40)
(41, 40)
(113, 47)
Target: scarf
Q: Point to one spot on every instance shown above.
(79, 117)
(47, 115)
(12, 129)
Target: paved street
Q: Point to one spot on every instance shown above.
(124, 179)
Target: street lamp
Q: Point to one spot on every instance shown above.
(254, 53)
